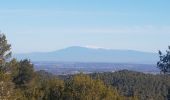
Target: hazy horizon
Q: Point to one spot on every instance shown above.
(43, 26)
(89, 47)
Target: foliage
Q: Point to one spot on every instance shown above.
(4, 48)
(82, 87)
(7, 90)
(54, 89)
(164, 63)
(23, 72)
(136, 84)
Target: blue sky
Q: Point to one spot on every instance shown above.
(48, 25)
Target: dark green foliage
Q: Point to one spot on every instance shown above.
(23, 73)
(144, 86)
(164, 63)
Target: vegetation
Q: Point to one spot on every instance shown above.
(136, 84)
(19, 81)
(164, 63)
(6, 86)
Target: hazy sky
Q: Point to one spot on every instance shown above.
(47, 25)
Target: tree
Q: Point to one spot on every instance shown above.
(7, 90)
(82, 87)
(54, 89)
(164, 63)
(5, 52)
(24, 73)
(5, 48)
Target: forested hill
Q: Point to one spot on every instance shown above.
(130, 83)
(145, 86)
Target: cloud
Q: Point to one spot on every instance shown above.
(145, 30)
(38, 13)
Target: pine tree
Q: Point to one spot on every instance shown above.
(6, 85)
(164, 63)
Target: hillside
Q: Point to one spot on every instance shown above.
(131, 83)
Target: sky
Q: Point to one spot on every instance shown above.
(49, 25)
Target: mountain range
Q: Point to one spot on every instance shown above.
(84, 54)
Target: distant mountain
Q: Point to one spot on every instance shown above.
(84, 54)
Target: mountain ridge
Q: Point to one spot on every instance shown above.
(85, 54)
